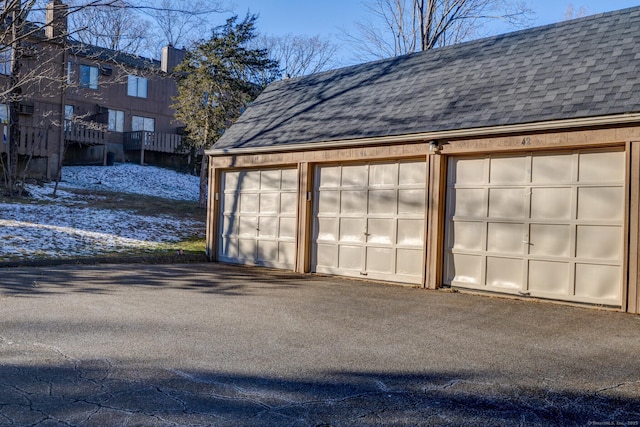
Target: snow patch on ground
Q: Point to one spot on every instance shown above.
(125, 178)
(59, 228)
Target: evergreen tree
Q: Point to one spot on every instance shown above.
(218, 79)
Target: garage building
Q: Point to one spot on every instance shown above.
(508, 164)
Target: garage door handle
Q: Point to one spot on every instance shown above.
(527, 242)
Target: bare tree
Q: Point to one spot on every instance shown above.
(24, 41)
(114, 25)
(572, 13)
(299, 55)
(398, 27)
(35, 50)
(177, 25)
(142, 27)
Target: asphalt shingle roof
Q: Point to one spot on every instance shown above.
(582, 68)
(104, 54)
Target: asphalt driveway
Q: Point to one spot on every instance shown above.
(207, 344)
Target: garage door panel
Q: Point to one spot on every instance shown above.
(231, 180)
(252, 219)
(267, 251)
(550, 240)
(470, 202)
(249, 180)
(600, 203)
(287, 253)
(382, 202)
(383, 174)
(409, 262)
(412, 174)
(268, 226)
(381, 214)
(411, 202)
(354, 176)
(410, 232)
(249, 203)
(350, 257)
(379, 260)
(231, 203)
(380, 231)
(229, 226)
(229, 247)
(551, 169)
(352, 229)
(507, 203)
(327, 229)
(466, 269)
(507, 170)
(599, 242)
(326, 255)
(329, 202)
(269, 203)
(558, 233)
(549, 277)
(551, 203)
(505, 237)
(270, 179)
(247, 249)
(504, 272)
(599, 167)
(286, 229)
(247, 226)
(467, 171)
(330, 177)
(289, 179)
(594, 281)
(467, 235)
(353, 202)
(288, 203)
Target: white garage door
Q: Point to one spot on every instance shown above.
(369, 220)
(547, 225)
(258, 217)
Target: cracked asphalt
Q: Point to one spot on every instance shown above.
(209, 344)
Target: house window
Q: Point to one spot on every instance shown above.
(137, 86)
(68, 117)
(5, 60)
(4, 113)
(4, 119)
(143, 123)
(89, 76)
(116, 121)
(69, 72)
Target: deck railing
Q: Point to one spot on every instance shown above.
(40, 141)
(33, 141)
(85, 135)
(152, 141)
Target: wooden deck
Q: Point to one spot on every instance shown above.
(152, 141)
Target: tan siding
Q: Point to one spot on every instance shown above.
(633, 285)
(306, 161)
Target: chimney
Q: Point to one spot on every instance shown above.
(171, 57)
(56, 20)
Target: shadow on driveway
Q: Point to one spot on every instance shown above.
(97, 393)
